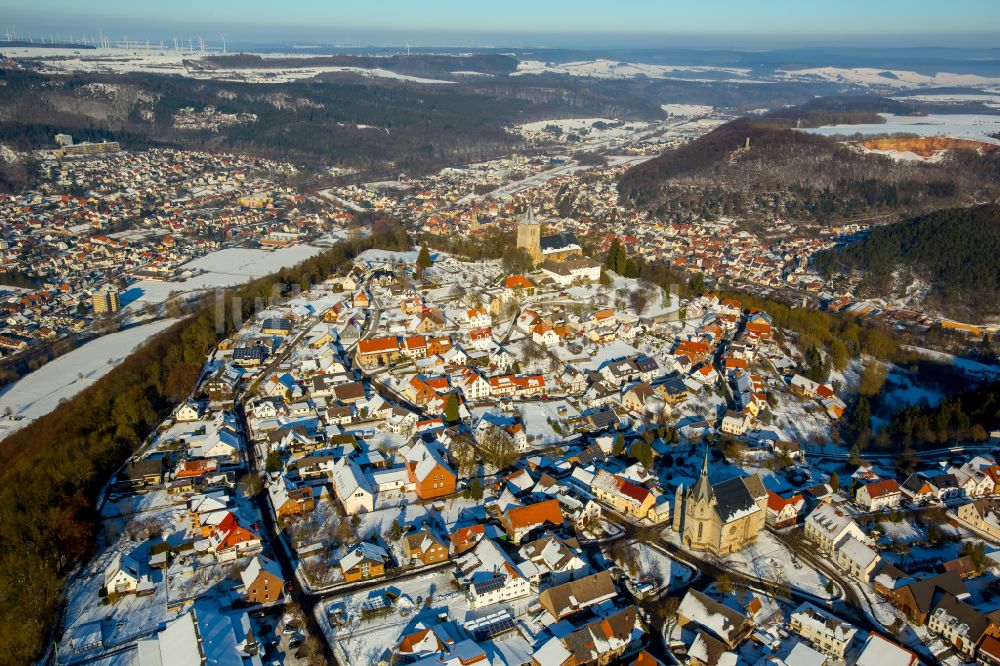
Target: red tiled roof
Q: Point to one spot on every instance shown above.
(535, 514)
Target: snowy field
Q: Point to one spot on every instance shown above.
(223, 268)
(980, 370)
(39, 393)
(686, 110)
(869, 76)
(171, 61)
(947, 98)
(962, 126)
(611, 69)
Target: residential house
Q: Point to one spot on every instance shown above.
(878, 651)
(378, 351)
(564, 600)
(829, 524)
(230, 540)
(424, 547)
(880, 495)
(623, 495)
(601, 641)
(288, 500)
(429, 473)
(519, 521)
(363, 562)
(826, 632)
(263, 582)
(351, 487)
(553, 560)
(122, 576)
(983, 515)
(724, 623)
(961, 625)
(784, 512)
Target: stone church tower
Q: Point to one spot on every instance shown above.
(529, 235)
(701, 526)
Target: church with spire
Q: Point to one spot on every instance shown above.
(721, 518)
(554, 247)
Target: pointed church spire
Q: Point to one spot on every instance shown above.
(702, 490)
(529, 216)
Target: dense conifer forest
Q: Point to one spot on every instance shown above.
(956, 251)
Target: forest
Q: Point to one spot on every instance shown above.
(956, 251)
(756, 169)
(970, 415)
(52, 470)
(405, 126)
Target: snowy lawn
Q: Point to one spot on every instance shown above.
(655, 565)
(769, 560)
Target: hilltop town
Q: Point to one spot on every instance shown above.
(430, 460)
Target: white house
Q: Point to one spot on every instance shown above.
(545, 335)
(351, 487)
(827, 632)
(478, 318)
(189, 411)
(122, 576)
(735, 423)
(473, 385)
(857, 558)
(879, 495)
(492, 576)
(829, 524)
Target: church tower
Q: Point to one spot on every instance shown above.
(699, 512)
(529, 235)
(678, 508)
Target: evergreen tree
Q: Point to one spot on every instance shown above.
(424, 260)
(862, 414)
(273, 462)
(619, 447)
(451, 408)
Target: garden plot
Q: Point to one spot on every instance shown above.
(450, 271)
(368, 634)
(155, 500)
(650, 563)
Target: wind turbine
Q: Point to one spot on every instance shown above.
(407, 48)
(223, 43)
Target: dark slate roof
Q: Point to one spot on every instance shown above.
(675, 386)
(914, 482)
(945, 481)
(964, 613)
(602, 418)
(925, 591)
(645, 364)
(558, 242)
(137, 469)
(733, 497)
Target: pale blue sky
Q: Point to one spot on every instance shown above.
(538, 22)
